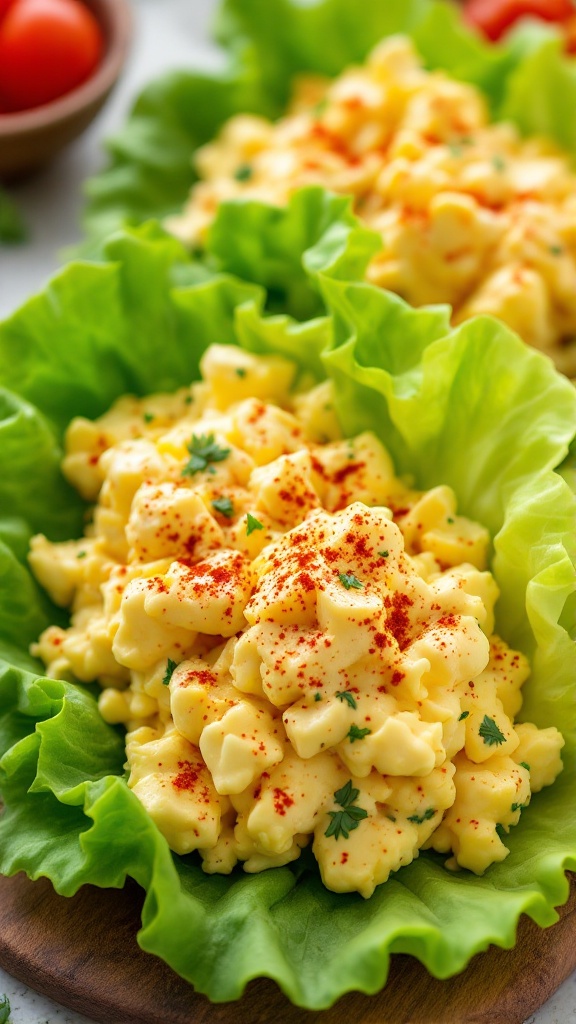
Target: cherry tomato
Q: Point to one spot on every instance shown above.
(4, 5)
(47, 48)
(494, 17)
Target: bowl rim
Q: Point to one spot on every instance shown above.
(71, 103)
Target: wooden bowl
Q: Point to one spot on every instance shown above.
(30, 138)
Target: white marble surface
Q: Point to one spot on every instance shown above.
(169, 34)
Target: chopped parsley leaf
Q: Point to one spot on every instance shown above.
(556, 250)
(419, 819)
(317, 696)
(498, 162)
(349, 580)
(224, 506)
(252, 524)
(524, 765)
(81, 554)
(170, 667)
(204, 451)
(344, 821)
(490, 732)
(243, 172)
(348, 697)
(354, 733)
(449, 519)
(240, 371)
(148, 417)
(463, 715)
(383, 554)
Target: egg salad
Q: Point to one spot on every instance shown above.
(299, 644)
(470, 213)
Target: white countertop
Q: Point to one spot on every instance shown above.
(169, 34)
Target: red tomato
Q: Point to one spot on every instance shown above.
(4, 5)
(494, 17)
(47, 48)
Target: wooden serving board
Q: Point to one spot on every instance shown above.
(82, 952)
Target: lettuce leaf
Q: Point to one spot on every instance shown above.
(525, 79)
(472, 407)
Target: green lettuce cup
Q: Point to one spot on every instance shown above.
(150, 172)
(471, 407)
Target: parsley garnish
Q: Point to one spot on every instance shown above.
(252, 524)
(383, 554)
(81, 554)
(343, 822)
(240, 371)
(449, 519)
(355, 733)
(348, 697)
(463, 715)
(317, 696)
(4, 1009)
(524, 765)
(148, 417)
(204, 451)
(490, 732)
(418, 819)
(170, 667)
(556, 250)
(348, 580)
(224, 506)
(244, 172)
(498, 162)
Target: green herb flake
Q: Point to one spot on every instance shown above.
(240, 372)
(12, 227)
(170, 667)
(81, 554)
(463, 716)
(391, 817)
(224, 506)
(345, 695)
(449, 519)
(517, 807)
(317, 696)
(419, 819)
(148, 417)
(243, 172)
(524, 765)
(556, 250)
(348, 580)
(490, 732)
(354, 733)
(204, 450)
(383, 554)
(252, 524)
(345, 821)
(4, 1009)
(498, 162)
